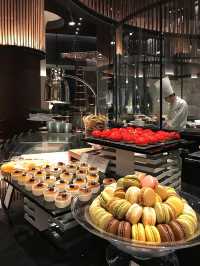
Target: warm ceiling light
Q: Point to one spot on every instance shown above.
(112, 43)
(76, 32)
(131, 33)
(77, 29)
(71, 23)
(80, 19)
(79, 23)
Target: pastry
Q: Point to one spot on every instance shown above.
(152, 234)
(112, 226)
(104, 198)
(171, 191)
(149, 216)
(66, 176)
(162, 192)
(190, 218)
(56, 171)
(22, 179)
(73, 189)
(50, 180)
(124, 229)
(164, 213)
(38, 188)
(50, 194)
(134, 213)
(30, 183)
(83, 167)
(47, 168)
(132, 194)
(85, 194)
(62, 200)
(188, 210)
(92, 177)
(71, 168)
(94, 186)
(16, 174)
(108, 181)
(61, 185)
(119, 208)
(176, 204)
(147, 197)
(138, 232)
(8, 167)
(104, 220)
(81, 174)
(131, 181)
(149, 181)
(177, 230)
(92, 170)
(158, 198)
(119, 193)
(40, 175)
(32, 171)
(166, 233)
(79, 181)
(61, 165)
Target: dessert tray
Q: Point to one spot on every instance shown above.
(145, 249)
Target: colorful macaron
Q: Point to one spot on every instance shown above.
(177, 230)
(162, 192)
(152, 234)
(138, 232)
(147, 197)
(149, 181)
(119, 193)
(175, 203)
(134, 213)
(132, 194)
(149, 216)
(166, 233)
(124, 230)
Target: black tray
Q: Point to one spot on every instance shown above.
(49, 207)
(147, 149)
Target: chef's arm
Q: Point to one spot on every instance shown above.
(179, 117)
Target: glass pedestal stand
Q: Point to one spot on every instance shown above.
(116, 257)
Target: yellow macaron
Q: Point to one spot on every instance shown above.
(152, 234)
(149, 216)
(176, 203)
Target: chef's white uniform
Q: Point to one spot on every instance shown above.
(178, 110)
(177, 114)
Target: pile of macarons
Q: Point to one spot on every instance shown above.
(138, 136)
(137, 207)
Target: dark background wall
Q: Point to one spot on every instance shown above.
(19, 88)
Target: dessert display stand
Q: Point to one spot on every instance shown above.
(124, 252)
(160, 160)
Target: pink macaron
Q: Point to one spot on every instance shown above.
(149, 181)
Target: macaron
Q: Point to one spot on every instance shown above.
(187, 226)
(124, 230)
(104, 198)
(134, 213)
(177, 230)
(176, 203)
(112, 226)
(130, 181)
(147, 197)
(149, 216)
(138, 232)
(149, 181)
(162, 192)
(152, 234)
(170, 191)
(187, 209)
(190, 218)
(104, 220)
(121, 209)
(132, 194)
(164, 213)
(158, 198)
(166, 233)
(120, 193)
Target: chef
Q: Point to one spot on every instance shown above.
(178, 108)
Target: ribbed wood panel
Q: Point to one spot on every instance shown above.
(22, 23)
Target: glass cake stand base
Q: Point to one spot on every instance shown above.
(115, 257)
